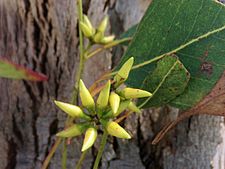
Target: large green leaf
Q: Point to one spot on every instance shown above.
(168, 80)
(194, 30)
(129, 34)
(11, 70)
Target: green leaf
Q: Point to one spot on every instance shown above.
(167, 81)
(11, 70)
(192, 29)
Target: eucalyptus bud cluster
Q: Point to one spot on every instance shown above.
(111, 102)
(96, 35)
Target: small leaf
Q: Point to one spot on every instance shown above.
(11, 70)
(212, 104)
(167, 81)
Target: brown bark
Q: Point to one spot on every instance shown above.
(42, 35)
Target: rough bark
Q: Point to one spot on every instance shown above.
(42, 34)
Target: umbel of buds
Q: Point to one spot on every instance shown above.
(111, 102)
(96, 35)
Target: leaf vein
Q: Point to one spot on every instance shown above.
(172, 23)
(180, 47)
(160, 84)
(195, 21)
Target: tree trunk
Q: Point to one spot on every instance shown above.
(42, 35)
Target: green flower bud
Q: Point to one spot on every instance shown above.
(131, 93)
(116, 130)
(103, 97)
(72, 110)
(124, 71)
(89, 138)
(75, 130)
(114, 100)
(134, 108)
(88, 23)
(86, 30)
(108, 39)
(103, 25)
(98, 37)
(123, 106)
(85, 96)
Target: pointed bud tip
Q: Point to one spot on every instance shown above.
(56, 102)
(116, 130)
(81, 81)
(71, 110)
(103, 97)
(85, 96)
(89, 25)
(103, 25)
(59, 103)
(128, 137)
(72, 131)
(89, 138)
(131, 59)
(132, 93)
(124, 71)
(83, 149)
(146, 93)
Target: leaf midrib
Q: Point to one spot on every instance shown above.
(160, 84)
(180, 47)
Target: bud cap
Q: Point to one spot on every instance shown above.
(72, 110)
(75, 130)
(86, 30)
(116, 130)
(131, 93)
(85, 96)
(88, 23)
(103, 97)
(114, 100)
(89, 138)
(102, 26)
(124, 71)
